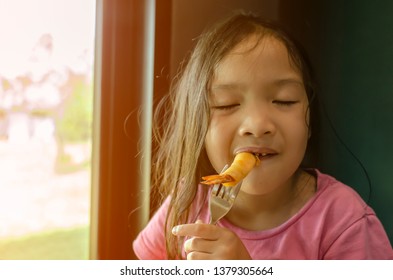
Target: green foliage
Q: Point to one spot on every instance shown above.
(75, 125)
(70, 244)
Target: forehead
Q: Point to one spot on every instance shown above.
(257, 46)
(255, 58)
(251, 42)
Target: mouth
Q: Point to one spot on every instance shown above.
(262, 156)
(260, 153)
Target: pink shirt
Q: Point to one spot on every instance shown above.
(335, 224)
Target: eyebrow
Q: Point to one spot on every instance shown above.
(236, 86)
(286, 81)
(230, 86)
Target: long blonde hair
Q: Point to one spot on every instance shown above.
(182, 118)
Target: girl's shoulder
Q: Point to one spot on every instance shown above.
(335, 193)
(351, 228)
(336, 203)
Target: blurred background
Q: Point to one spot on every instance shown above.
(46, 105)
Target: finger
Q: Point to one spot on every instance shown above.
(199, 256)
(205, 231)
(195, 244)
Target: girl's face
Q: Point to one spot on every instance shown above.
(258, 104)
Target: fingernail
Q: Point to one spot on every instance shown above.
(175, 230)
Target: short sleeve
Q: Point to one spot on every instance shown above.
(365, 239)
(150, 242)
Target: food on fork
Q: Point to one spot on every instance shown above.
(240, 167)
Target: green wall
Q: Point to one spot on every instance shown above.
(351, 46)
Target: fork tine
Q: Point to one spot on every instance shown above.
(222, 191)
(218, 187)
(234, 191)
(215, 189)
(221, 200)
(227, 194)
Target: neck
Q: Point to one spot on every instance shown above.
(259, 212)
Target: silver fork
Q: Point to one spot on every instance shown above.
(221, 200)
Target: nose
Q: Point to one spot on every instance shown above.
(257, 121)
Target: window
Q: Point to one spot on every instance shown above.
(44, 214)
(46, 109)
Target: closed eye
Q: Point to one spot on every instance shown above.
(285, 102)
(225, 107)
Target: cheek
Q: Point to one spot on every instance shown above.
(217, 142)
(303, 120)
(211, 147)
(208, 142)
(300, 134)
(296, 131)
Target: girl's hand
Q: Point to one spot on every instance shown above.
(210, 242)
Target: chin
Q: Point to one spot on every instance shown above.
(253, 187)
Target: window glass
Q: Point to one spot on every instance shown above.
(46, 104)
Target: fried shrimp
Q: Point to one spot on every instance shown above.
(240, 167)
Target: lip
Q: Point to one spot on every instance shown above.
(257, 150)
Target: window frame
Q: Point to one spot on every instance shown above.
(126, 65)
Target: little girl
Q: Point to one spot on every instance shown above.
(247, 88)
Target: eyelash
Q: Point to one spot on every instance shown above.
(278, 102)
(284, 103)
(225, 107)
